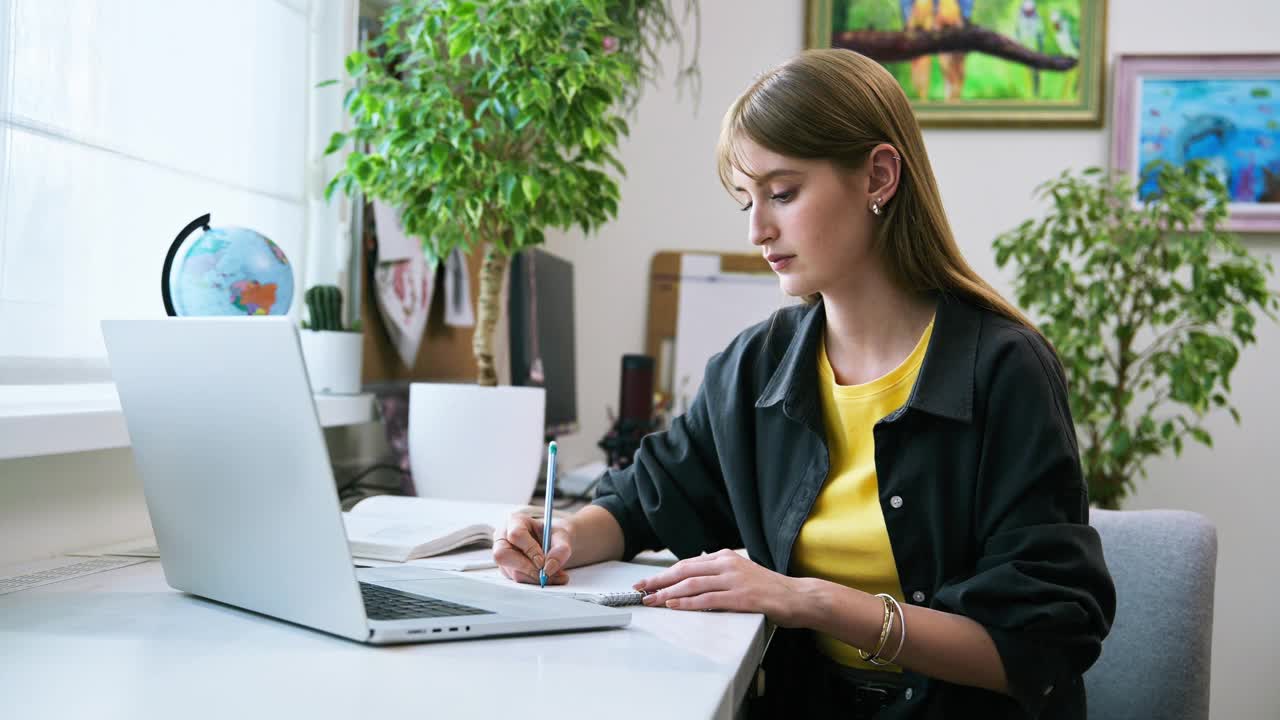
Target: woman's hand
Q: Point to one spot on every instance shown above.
(518, 551)
(725, 580)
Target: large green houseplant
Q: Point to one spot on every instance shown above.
(1148, 305)
(487, 121)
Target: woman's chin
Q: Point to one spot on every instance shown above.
(793, 287)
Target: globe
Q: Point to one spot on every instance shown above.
(231, 271)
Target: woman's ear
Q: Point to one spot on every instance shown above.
(883, 172)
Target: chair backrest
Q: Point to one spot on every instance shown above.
(1155, 661)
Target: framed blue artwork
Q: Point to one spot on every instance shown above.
(1223, 109)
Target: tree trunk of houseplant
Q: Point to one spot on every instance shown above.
(1106, 491)
(452, 425)
(491, 273)
(1106, 488)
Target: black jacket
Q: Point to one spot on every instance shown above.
(980, 484)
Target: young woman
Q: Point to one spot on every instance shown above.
(896, 455)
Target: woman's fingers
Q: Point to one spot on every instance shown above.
(695, 585)
(520, 531)
(692, 567)
(518, 551)
(531, 578)
(719, 600)
(511, 560)
(511, 549)
(558, 555)
(522, 577)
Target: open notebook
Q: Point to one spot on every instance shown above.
(399, 528)
(606, 583)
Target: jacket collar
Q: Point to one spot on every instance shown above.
(945, 385)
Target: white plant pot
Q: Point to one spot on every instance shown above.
(468, 442)
(334, 360)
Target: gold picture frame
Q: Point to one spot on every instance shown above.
(979, 63)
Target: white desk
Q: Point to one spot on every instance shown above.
(122, 644)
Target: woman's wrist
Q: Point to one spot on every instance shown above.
(593, 536)
(840, 611)
(812, 602)
(571, 533)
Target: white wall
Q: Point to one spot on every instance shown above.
(671, 199)
(62, 503)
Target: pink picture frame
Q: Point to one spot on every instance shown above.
(1223, 109)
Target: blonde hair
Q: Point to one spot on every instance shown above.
(837, 105)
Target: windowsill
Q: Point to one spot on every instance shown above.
(71, 419)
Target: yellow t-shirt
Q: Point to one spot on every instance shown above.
(844, 540)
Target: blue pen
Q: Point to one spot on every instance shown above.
(546, 512)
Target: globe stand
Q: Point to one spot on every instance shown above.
(200, 222)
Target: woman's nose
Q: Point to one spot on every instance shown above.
(761, 229)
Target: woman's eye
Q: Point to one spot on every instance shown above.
(782, 197)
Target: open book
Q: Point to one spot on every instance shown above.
(399, 528)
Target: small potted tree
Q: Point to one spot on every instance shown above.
(486, 122)
(1148, 305)
(333, 354)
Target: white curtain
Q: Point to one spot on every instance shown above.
(120, 122)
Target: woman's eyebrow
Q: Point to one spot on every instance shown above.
(777, 172)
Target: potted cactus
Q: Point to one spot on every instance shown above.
(334, 355)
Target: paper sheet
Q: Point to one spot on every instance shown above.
(395, 531)
(457, 561)
(437, 510)
(402, 283)
(393, 243)
(458, 310)
(606, 578)
(403, 289)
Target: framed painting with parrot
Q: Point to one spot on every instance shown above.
(978, 63)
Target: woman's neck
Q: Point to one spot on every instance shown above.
(870, 330)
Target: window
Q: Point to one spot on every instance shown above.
(120, 122)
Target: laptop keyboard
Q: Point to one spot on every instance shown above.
(383, 603)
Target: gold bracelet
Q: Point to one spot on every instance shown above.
(875, 656)
(902, 638)
(884, 634)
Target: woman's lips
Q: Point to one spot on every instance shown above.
(780, 262)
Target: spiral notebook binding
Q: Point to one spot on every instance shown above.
(615, 599)
(624, 598)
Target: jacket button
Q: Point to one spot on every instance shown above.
(918, 596)
(907, 694)
(896, 501)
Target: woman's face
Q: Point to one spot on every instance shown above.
(810, 219)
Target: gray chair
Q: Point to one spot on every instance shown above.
(1155, 662)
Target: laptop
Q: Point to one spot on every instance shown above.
(242, 497)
